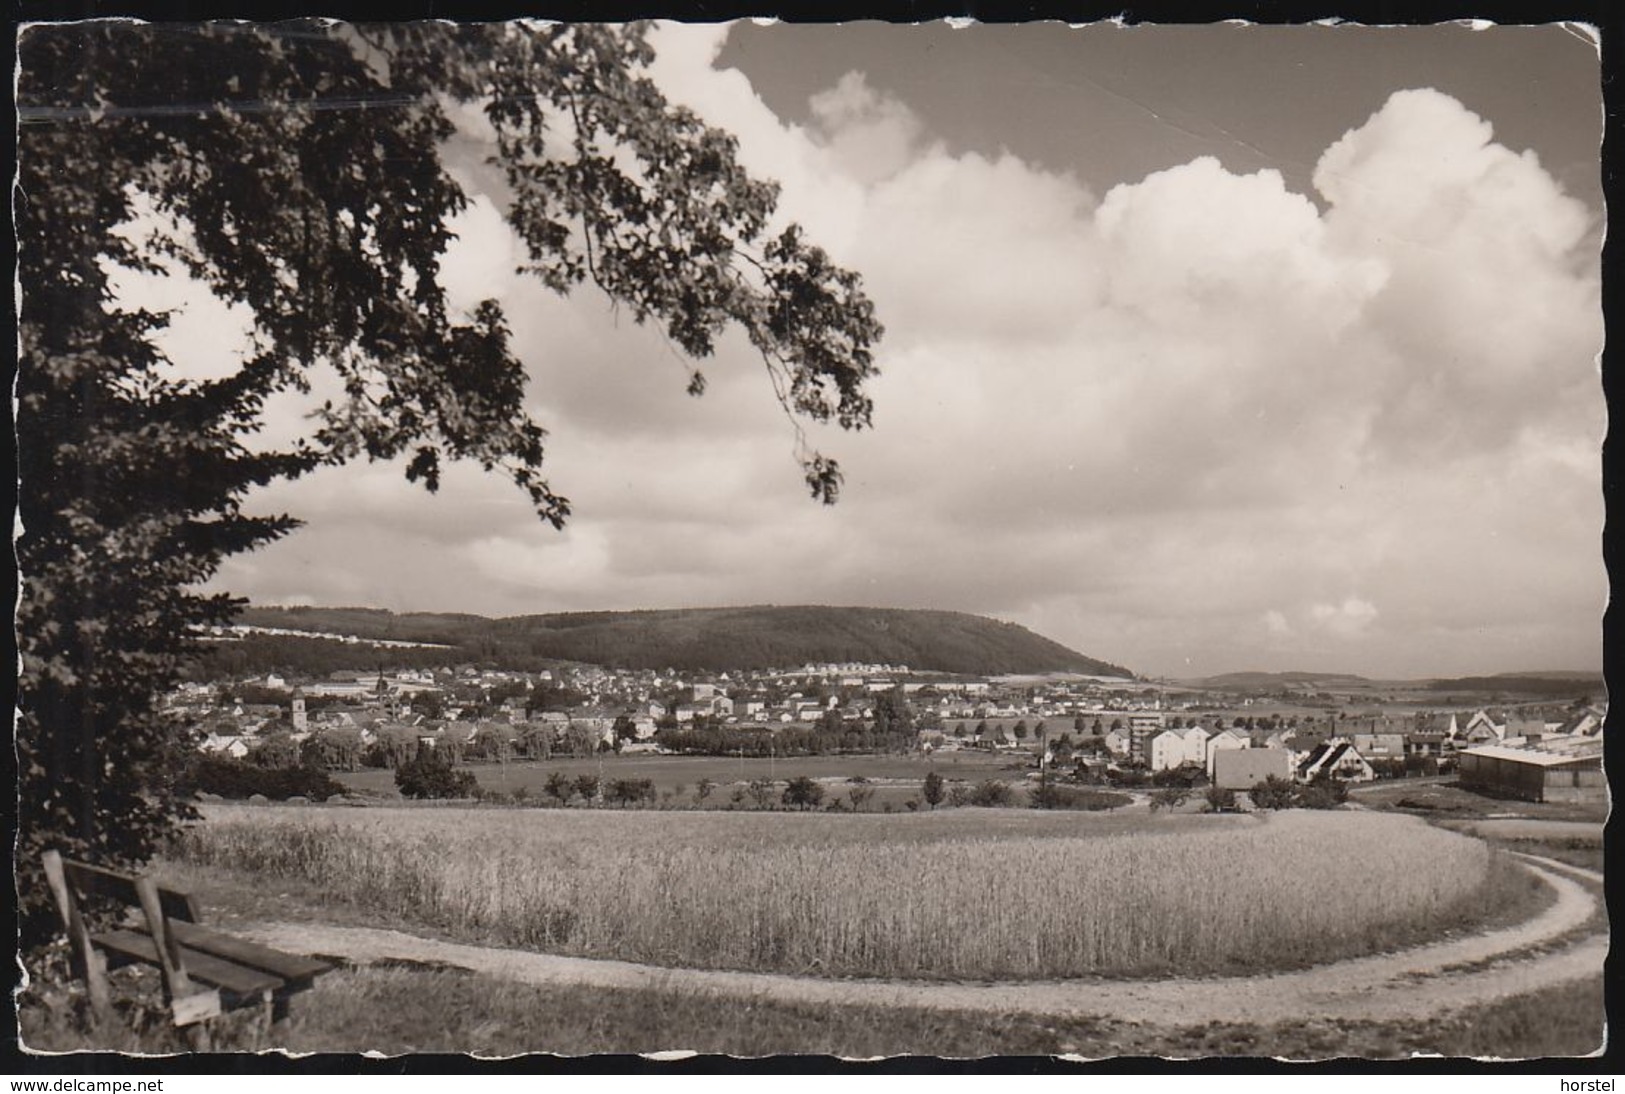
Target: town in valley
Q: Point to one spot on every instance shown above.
(1537, 738)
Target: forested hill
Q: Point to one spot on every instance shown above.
(715, 638)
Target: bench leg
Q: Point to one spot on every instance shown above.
(267, 1020)
(101, 996)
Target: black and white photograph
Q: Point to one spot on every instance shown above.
(945, 540)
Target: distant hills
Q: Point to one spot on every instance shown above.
(1553, 682)
(1249, 680)
(713, 639)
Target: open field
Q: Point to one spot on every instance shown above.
(895, 778)
(946, 895)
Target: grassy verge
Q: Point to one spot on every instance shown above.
(1449, 799)
(1575, 852)
(1561, 1021)
(410, 1009)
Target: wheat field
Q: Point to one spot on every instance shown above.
(918, 896)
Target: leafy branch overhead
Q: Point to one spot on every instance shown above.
(296, 170)
(302, 164)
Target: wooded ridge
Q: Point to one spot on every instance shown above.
(715, 639)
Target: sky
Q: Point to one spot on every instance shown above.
(1208, 349)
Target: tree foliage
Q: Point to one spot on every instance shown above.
(804, 793)
(430, 774)
(231, 778)
(1323, 792)
(587, 786)
(992, 793)
(296, 171)
(558, 787)
(933, 789)
(626, 792)
(1055, 796)
(1273, 793)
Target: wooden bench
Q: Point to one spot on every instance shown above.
(205, 973)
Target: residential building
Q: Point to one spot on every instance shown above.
(1337, 758)
(1244, 768)
(1224, 741)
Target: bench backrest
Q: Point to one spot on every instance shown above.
(70, 881)
(87, 880)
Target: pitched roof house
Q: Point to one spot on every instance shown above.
(1338, 758)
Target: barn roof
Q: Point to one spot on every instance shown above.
(1529, 756)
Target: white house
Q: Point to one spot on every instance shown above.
(1481, 729)
(1224, 741)
(1175, 747)
(1588, 723)
(1196, 739)
(1339, 758)
(1165, 750)
(230, 744)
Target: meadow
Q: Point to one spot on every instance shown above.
(896, 778)
(957, 894)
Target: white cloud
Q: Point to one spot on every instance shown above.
(1172, 426)
(872, 137)
(480, 263)
(1348, 619)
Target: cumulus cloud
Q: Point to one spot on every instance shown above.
(1347, 619)
(1172, 425)
(1490, 297)
(871, 136)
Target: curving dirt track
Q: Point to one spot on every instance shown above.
(1413, 983)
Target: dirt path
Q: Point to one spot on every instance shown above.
(1415, 982)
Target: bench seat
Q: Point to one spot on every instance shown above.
(137, 946)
